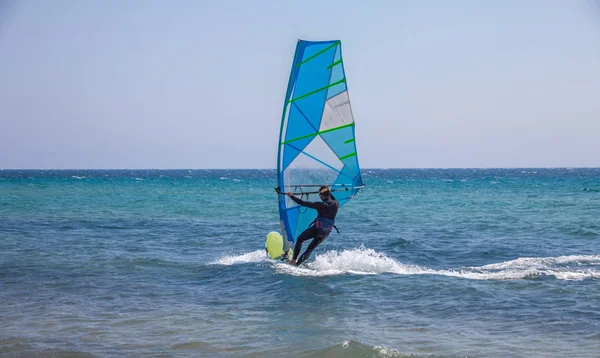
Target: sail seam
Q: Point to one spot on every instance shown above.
(348, 156)
(335, 63)
(318, 133)
(318, 90)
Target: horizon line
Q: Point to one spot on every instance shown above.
(362, 169)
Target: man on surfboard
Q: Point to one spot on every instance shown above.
(321, 227)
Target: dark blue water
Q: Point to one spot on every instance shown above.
(457, 262)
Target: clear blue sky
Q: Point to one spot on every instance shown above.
(201, 84)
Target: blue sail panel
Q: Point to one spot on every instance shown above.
(292, 217)
(299, 124)
(305, 218)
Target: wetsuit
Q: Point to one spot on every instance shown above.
(327, 211)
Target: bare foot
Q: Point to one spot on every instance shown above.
(292, 262)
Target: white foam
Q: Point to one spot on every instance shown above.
(544, 262)
(387, 352)
(474, 275)
(363, 261)
(360, 261)
(77, 177)
(561, 267)
(254, 256)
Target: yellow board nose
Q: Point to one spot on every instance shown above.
(274, 245)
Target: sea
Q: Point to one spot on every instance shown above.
(172, 263)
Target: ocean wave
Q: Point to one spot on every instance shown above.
(26, 347)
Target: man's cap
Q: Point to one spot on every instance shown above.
(324, 190)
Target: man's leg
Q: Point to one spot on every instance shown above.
(313, 244)
(306, 235)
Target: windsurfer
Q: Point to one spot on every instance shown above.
(320, 229)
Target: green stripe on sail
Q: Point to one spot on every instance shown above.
(349, 141)
(318, 90)
(348, 156)
(335, 63)
(318, 53)
(317, 133)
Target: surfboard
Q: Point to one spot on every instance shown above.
(317, 144)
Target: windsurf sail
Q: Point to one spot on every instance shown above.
(317, 139)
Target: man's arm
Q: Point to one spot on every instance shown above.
(308, 204)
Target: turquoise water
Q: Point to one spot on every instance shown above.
(469, 262)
